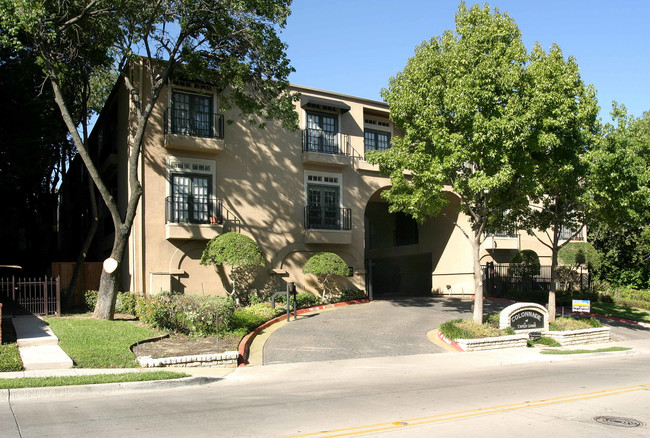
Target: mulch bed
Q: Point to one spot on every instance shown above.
(182, 345)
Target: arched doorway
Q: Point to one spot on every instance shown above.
(398, 262)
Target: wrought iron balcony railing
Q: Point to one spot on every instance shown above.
(316, 140)
(327, 218)
(185, 209)
(183, 122)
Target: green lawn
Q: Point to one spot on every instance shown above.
(99, 344)
(9, 355)
(609, 309)
(39, 382)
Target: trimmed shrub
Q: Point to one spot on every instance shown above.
(524, 264)
(326, 266)
(251, 317)
(353, 295)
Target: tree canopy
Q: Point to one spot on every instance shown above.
(461, 105)
(232, 44)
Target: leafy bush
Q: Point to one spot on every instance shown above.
(306, 299)
(188, 314)
(90, 298)
(544, 340)
(567, 323)
(253, 316)
(468, 329)
(126, 302)
(353, 295)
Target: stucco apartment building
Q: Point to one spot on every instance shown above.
(294, 193)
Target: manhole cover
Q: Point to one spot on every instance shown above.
(619, 421)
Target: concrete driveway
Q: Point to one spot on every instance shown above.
(379, 328)
(383, 328)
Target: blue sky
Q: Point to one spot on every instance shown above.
(355, 46)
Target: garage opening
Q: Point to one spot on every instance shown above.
(396, 264)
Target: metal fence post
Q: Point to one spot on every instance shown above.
(45, 297)
(58, 296)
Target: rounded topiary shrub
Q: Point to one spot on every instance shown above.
(524, 264)
(326, 266)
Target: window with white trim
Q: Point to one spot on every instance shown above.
(191, 190)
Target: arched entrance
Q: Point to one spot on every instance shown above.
(398, 262)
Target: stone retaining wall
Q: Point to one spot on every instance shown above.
(226, 359)
(583, 336)
(510, 341)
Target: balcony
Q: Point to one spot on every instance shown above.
(328, 225)
(187, 219)
(502, 240)
(320, 147)
(194, 131)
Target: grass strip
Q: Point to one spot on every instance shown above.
(40, 382)
(92, 343)
(618, 311)
(599, 350)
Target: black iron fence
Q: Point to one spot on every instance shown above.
(39, 296)
(502, 281)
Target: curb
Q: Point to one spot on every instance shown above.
(449, 342)
(102, 388)
(245, 343)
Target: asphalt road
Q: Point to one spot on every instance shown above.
(384, 328)
(451, 395)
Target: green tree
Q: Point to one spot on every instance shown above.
(619, 198)
(460, 103)
(233, 44)
(563, 114)
(244, 257)
(326, 266)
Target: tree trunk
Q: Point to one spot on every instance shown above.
(109, 281)
(553, 289)
(478, 280)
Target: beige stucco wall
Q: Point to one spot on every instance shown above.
(259, 174)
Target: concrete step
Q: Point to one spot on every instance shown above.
(38, 346)
(32, 331)
(44, 357)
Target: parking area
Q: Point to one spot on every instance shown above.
(395, 327)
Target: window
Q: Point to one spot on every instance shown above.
(376, 140)
(323, 196)
(191, 189)
(566, 233)
(321, 134)
(323, 207)
(192, 115)
(191, 198)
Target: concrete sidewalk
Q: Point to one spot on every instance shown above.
(38, 346)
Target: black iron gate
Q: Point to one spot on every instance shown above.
(39, 296)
